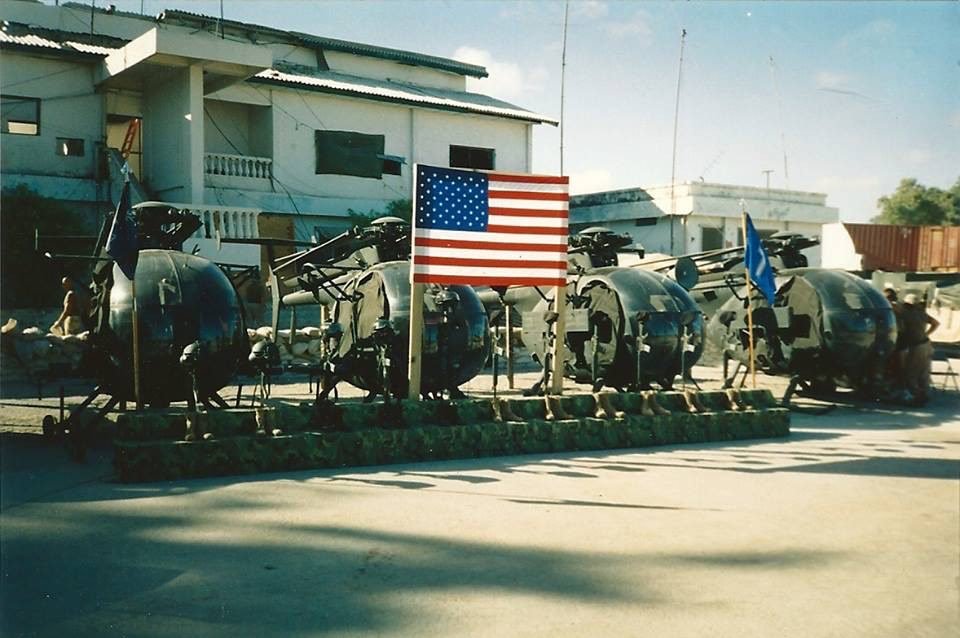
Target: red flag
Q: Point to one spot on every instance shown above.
(488, 228)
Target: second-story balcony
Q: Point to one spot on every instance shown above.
(244, 172)
(224, 222)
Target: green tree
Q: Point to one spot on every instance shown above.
(953, 215)
(914, 204)
(28, 279)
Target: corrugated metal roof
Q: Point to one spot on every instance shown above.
(397, 55)
(28, 41)
(333, 44)
(21, 35)
(331, 82)
(90, 48)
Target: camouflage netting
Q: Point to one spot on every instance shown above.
(164, 446)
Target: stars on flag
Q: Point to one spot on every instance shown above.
(451, 200)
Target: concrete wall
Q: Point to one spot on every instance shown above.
(173, 135)
(75, 19)
(69, 108)
(838, 248)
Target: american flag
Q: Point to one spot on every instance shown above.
(493, 229)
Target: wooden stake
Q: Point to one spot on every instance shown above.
(508, 345)
(136, 346)
(560, 329)
(415, 354)
(416, 338)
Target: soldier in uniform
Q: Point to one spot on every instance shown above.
(917, 326)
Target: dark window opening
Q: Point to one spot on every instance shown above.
(712, 238)
(646, 221)
(349, 153)
(69, 147)
(392, 164)
(21, 115)
(471, 157)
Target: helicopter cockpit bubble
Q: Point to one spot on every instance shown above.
(826, 328)
(364, 275)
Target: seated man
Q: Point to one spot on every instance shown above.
(76, 306)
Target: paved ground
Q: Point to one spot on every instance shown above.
(851, 527)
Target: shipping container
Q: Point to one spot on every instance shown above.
(907, 248)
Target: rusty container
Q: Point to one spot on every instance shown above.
(938, 249)
(907, 248)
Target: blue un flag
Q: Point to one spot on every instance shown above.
(757, 262)
(122, 244)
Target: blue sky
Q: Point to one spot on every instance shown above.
(858, 95)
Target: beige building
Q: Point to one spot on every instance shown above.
(697, 216)
(238, 122)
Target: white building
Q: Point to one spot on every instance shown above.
(697, 216)
(260, 130)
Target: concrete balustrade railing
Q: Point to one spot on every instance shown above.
(233, 222)
(237, 165)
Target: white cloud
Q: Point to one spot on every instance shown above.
(506, 80)
(831, 80)
(869, 35)
(590, 181)
(955, 119)
(591, 9)
(918, 156)
(636, 28)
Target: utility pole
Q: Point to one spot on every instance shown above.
(783, 139)
(676, 118)
(767, 172)
(563, 78)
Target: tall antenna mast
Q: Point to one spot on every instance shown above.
(676, 118)
(783, 139)
(563, 77)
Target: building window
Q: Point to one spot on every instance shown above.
(471, 157)
(711, 239)
(349, 153)
(392, 164)
(69, 147)
(21, 115)
(646, 221)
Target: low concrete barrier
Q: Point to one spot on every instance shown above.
(152, 446)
